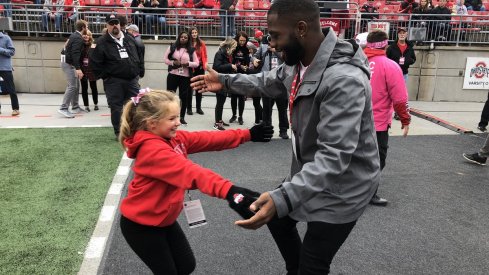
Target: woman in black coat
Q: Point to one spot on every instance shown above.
(241, 58)
(223, 64)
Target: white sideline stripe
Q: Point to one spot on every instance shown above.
(91, 126)
(122, 171)
(115, 189)
(107, 213)
(125, 156)
(95, 247)
(55, 126)
(16, 127)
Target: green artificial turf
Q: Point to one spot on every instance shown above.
(53, 183)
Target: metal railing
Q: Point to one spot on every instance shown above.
(31, 20)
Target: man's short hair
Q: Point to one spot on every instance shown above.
(80, 24)
(122, 20)
(377, 36)
(295, 10)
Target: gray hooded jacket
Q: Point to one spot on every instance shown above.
(335, 164)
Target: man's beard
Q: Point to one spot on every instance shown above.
(115, 31)
(293, 52)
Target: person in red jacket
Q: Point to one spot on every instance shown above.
(162, 174)
(201, 51)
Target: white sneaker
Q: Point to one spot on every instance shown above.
(66, 113)
(77, 110)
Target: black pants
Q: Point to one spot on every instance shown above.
(383, 143)
(238, 101)
(220, 100)
(165, 250)
(8, 86)
(485, 113)
(118, 91)
(173, 82)
(282, 104)
(84, 87)
(258, 109)
(198, 100)
(315, 254)
(198, 96)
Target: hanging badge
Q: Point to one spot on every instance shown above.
(194, 213)
(401, 61)
(180, 70)
(123, 53)
(63, 58)
(85, 61)
(274, 62)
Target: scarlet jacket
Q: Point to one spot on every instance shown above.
(162, 173)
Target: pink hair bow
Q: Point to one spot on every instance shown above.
(135, 99)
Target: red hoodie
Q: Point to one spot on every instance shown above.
(162, 172)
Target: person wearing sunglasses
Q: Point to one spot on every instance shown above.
(115, 59)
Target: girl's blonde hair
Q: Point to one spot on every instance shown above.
(146, 106)
(90, 37)
(228, 45)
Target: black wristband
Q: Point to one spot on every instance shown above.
(286, 198)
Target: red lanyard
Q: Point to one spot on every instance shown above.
(294, 88)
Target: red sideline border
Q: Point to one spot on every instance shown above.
(439, 121)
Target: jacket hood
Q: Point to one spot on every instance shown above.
(134, 142)
(343, 52)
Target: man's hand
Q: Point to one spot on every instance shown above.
(266, 211)
(79, 74)
(405, 130)
(176, 63)
(256, 62)
(206, 83)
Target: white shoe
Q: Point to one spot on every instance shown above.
(66, 113)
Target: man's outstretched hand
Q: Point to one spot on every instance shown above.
(266, 211)
(206, 83)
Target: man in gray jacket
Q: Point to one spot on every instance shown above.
(335, 165)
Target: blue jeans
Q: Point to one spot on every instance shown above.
(7, 85)
(57, 22)
(150, 21)
(227, 23)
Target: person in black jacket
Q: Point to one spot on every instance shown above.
(441, 16)
(116, 60)
(227, 14)
(72, 70)
(151, 12)
(222, 64)
(241, 58)
(402, 52)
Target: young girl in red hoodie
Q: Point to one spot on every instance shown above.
(162, 174)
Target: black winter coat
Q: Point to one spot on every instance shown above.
(394, 53)
(221, 62)
(73, 50)
(106, 60)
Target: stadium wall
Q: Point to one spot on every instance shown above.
(437, 74)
